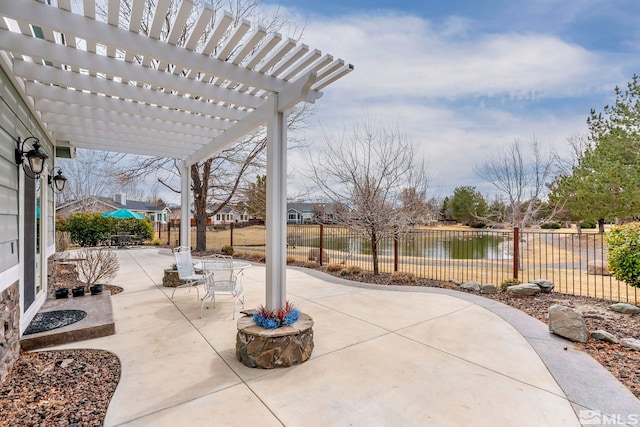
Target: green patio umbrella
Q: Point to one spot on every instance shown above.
(123, 214)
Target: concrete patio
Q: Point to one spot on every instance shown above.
(382, 357)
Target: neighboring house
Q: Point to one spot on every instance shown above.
(228, 215)
(310, 213)
(157, 214)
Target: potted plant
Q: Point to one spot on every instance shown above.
(62, 293)
(77, 291)
(97, 265)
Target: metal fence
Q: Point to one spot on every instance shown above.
(575, 263)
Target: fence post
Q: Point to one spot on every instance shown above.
(169, 234)
(321, 244)
(231, 233)
(395, 249)
(516, 251)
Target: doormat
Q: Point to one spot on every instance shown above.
(50, 320)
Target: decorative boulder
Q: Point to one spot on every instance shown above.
(471, 286)
(598, 268)
(602, 335)
(524, 290)
(455, 282)
(568, 323)
(625, 308)
(545, 285)
(488, 289)
(631, 343)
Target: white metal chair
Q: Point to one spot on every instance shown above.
(224, 279)
(186, 270)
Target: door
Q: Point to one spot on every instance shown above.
(32, 241)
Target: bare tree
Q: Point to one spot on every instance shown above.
(366, 173)
(89, 174)
(522, 178)
(216, 180)
(97, 265)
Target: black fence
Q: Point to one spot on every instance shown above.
(575, 263)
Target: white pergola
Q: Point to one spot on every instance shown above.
(185, 93)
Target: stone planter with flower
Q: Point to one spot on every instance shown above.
(274, 338)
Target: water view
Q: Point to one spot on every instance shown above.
(487, 246)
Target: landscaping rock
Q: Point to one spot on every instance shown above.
(545, 285)
(602, 335)
(568, 323)
(598, 268)
(488, 289)
(524, 290)
(471, 286)
(455, 282)
(625, 308)
(631, 343)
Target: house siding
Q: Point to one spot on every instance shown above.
(17, 120)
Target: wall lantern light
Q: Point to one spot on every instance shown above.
(35, 157)
(57, 182)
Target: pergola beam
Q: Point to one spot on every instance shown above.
(56, 19)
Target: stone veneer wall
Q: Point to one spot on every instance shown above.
(9, 328)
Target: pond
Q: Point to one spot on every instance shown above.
(454, 246)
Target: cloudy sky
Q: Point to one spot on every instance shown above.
(465, 79)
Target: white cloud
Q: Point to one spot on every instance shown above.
(459, 94)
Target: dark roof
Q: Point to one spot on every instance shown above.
(310, 207)
(133, 205)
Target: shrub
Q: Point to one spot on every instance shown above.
(143, 228)
(333, 268)
(227, 250)
(256, 257)
(291, 260)
(401, 278)
(509, 282)
(623, 243)
(551, 226)
(310, 264)
(97, 265)
(87, 228)
(344, 272)
(156, 242)
(587, 224)
(354, 269)
(63, 241)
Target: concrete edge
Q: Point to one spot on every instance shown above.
(585, 382)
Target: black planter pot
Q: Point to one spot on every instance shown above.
(95, 289)
(62, 293)
(78, 291)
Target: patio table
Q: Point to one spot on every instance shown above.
(123, 240)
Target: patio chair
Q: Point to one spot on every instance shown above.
(186, 270)
(223, 279)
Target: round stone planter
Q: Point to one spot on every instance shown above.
(257, 347)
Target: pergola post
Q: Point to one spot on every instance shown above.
(185, 203)
(276, 221)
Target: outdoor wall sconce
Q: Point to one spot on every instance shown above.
(35, 157)
(57, 182)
